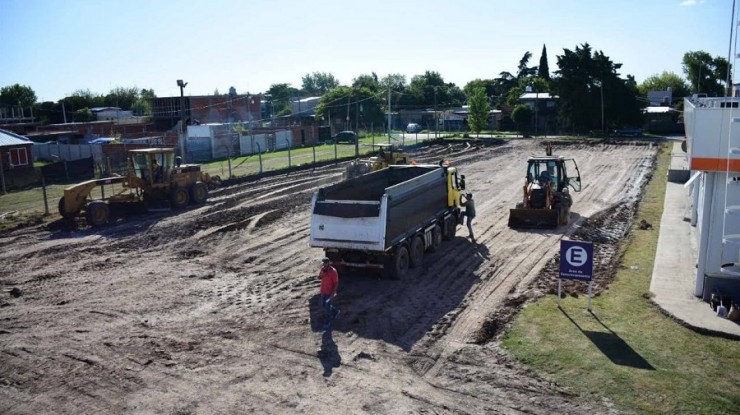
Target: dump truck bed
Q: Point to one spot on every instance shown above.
(375, 211)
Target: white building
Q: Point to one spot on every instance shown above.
(713, 147)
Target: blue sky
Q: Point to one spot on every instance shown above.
(57, 47)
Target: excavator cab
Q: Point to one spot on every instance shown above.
(546, 198)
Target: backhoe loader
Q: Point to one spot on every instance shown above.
(546, 200)
(154, 180)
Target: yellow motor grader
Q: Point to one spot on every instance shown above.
(154, 179)
(389, 154)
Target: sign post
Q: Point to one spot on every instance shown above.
(576, 263)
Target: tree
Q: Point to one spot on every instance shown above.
(589, 86)
(82, 99)
(48, 112)
(396, 81)
(367, 81)
(478, 110)
(679, 87)
(489, 86)
(17, 95)
(83, 115)
(141, 107)
(122, 98)
(543, 71)
(344, 101)
(430, 89)
(399, 98)
(706, 74)
(318, 83)
(537, 85)
(147, 93)
(522, 115)
(523, 71)
(280, 98)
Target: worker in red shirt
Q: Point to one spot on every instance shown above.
(329, 284)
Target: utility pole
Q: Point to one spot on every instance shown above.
(729, 51)
(182, 86)
(389, 112)
(357, 125)
(347, 123)
(602, 108)
(436, 122)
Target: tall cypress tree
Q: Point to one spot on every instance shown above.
(543, 71)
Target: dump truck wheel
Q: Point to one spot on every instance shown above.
(436, 238)
(198, 193)
(179, 197)
(416, 256)
(97, 213)
(63, 212)
(450, 228)
(398, 264)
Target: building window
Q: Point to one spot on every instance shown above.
(18, 157)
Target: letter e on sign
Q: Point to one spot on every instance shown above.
(576, 260)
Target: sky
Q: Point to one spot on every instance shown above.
(58, 47)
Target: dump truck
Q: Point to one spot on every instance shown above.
(386, 219)
(546, 199)
(388, 154)
(155, 180)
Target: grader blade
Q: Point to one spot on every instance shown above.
(533, 218)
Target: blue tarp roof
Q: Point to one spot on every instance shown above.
(101, 140)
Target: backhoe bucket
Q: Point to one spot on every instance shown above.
(533, 218)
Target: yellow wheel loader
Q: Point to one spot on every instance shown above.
(388, 155)
(546, 199)
(154, 180)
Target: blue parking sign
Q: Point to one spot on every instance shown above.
(576, 260)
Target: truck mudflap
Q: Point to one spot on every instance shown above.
(533, 218)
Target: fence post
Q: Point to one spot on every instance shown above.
(259, 154)
(43, 188)
(288, 142)
(2, 173)
(228, 157)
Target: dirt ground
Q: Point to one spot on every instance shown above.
(214, 309)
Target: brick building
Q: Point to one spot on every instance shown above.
(206, 109)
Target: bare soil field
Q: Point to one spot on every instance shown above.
(214, 309)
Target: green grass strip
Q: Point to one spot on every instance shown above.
(627, 352)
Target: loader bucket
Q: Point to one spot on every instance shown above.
(533, 218)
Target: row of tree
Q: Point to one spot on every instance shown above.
(587, 83)
(77, 106)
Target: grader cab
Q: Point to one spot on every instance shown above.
(154, 180)
(388, 154)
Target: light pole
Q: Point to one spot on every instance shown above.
(528, 88)
(600, 84)
(182, 86)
